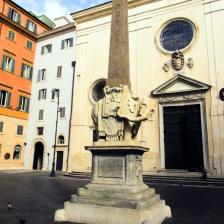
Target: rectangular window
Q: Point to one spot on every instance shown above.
(40, 130)
(31, 26)
(5, 98)
(11, 35)
(67, 43)
(41, 75)
(14, 15)
(46, 49)
(41, 115)
(62, 112)
(26, 71)
(59, 71)
(42, 94)
(1, 126)
(8, 63)
(19, 130)
(29, 44)
(24, 103)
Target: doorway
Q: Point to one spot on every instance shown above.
(183, 138)
(38, 156)
(59, 164)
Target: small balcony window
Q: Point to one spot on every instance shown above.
(26, 71)
(46, 49)
(67, 43)
(31, 26)
(24, 103)
(5, 97)
(14, 15)
(8, 63)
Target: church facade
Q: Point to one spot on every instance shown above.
(176, 64)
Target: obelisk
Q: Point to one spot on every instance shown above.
(118, 72)
(116, 193)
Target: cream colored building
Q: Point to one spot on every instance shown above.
(185, 129)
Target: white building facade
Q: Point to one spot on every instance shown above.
(185, 129)
(53, 69)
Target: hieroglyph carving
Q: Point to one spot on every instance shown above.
(118, 115)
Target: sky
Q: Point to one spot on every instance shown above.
(56, 8)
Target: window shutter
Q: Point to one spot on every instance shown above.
(31, 73)
(8, 99)
(10, 13)
(35, 28)
(19, 18)
(50, 48)
(39, 94)
(22, 70)
(42, 50)
(27, 24)
(38, 76)
(4, 62)
(20, 102)
(13, 65)
(62, 44)
(28, 105)
(71, 42)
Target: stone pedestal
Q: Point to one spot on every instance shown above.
(116, 194)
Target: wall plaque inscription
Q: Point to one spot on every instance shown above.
(111, 167)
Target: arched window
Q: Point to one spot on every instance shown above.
(61, 140)
(17, 152)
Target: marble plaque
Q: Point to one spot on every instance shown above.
(111, 167)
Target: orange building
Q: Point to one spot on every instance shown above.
(18, 37)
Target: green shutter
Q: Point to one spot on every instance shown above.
(20, 102)
(22, 70)
(28, 105)
(35, 28)
(4, 62)
(71, 42)
(31, 73)
(27, 24)
(62, 44)
(42, 50)
(10, 13)
(19, 18)
(12, 66)
(8, 99)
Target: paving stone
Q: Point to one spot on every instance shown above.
(34, 197)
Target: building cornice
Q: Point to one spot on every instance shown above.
(60, 30)
(102, 10)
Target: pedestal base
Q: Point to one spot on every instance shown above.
(92, 214)
(116, 194)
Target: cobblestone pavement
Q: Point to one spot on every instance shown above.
(33, 197)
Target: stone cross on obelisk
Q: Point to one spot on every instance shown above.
(118, 72)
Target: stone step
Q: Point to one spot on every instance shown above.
(182, 178)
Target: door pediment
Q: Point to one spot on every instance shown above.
(180, 85)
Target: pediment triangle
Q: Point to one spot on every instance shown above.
(180, 84)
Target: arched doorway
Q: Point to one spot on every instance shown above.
(38, 156)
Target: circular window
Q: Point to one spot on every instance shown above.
(177, 35)
(97, 92)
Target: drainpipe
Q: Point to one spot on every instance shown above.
(71, 110)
